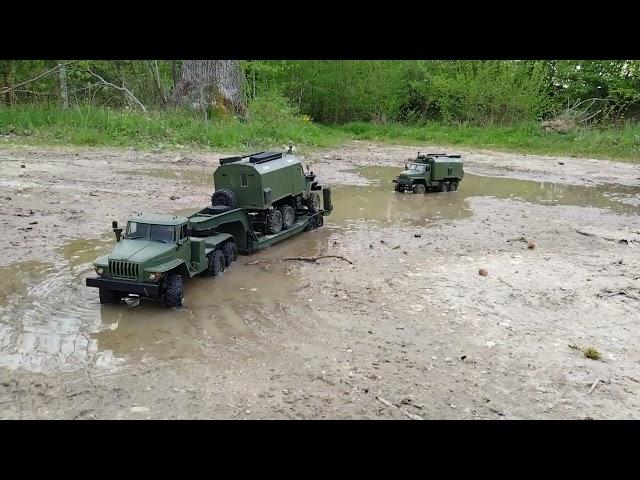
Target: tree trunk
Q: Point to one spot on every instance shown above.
(64, 94)
(223, 81)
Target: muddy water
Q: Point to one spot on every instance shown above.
(196, 176)
(378, 202)
(49, 319)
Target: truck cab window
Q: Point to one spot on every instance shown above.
(244, 181)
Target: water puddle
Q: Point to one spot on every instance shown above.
(50, 321)
(196, 176)
(377, 202)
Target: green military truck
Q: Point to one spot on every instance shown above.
(271, 186)
(158, 252)
(431, 172)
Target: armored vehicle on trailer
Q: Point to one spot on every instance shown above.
(271, 186)
(431, 172)
(158, 252)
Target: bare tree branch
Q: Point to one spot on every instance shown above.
(122, 89)
(44, 74)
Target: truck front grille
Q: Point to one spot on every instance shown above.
(123, 269)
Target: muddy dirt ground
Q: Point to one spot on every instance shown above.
(410, 330)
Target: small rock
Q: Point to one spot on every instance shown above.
(350, 374)
(531, 245)
(560, 163)
(417, 235)
(138, 409)
(490, 344)
(483, 272)
(174, 197)
(33, 223)
(23, 166)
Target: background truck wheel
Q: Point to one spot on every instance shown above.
(274, 221)
(443, 186)
(453, 187)
(109, 296)
(217, 262)
(313, 202)
(174, 290)
(224, 197)
(230, 252)
(419, 188)
(288, 216)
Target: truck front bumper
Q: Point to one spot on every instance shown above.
(145, 289)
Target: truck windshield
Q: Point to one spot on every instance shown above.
(417, 166)
(161, 233)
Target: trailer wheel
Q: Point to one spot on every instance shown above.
(224, 197)
(313, 202)
(453, 187)
(288, 216)
(419, 188)
(217, 262)
(109, 296)
(230, 252)
(173, 290)
(273, 221)
(443, 186)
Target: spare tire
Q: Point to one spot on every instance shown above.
(216, 209)
(224, 197)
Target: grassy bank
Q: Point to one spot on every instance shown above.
(271, 127)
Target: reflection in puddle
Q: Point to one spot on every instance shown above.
(196, 176)
(49, 319)
(379, 203)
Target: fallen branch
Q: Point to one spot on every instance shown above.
(122, 89)
(593, 387)
(386, 402)
(412, 416)
(315, 259)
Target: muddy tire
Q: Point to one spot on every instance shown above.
(398, 188)
(419, 188)
(273, 221)
(224, 197)
(313, 202)
(109, 296)
(288, 216)
(443, 187)
(230, 253)
(453, 187)
(319, 221)
(312, 224)
(218, 209)
(173, 290)
(217, 263)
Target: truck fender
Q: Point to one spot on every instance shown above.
(175, 264)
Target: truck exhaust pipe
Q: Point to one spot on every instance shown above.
(116, 230)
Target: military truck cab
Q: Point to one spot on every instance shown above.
(431, 172)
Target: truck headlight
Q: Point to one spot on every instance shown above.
(155, 276)
(99, 270)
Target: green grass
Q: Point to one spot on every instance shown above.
(271, 126)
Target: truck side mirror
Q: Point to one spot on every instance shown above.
(116, 230)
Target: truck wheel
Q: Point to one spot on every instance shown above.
(312, 224)
(230, 252)
(218, 209)
(319, 221)
(313, 202)
(288, 216)
(443, 186)
(173, 290)
(217, 262)
(419, 188)
(453, 187)
(398, 188)
(224, 197)
(109, 296)
(274, 221)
